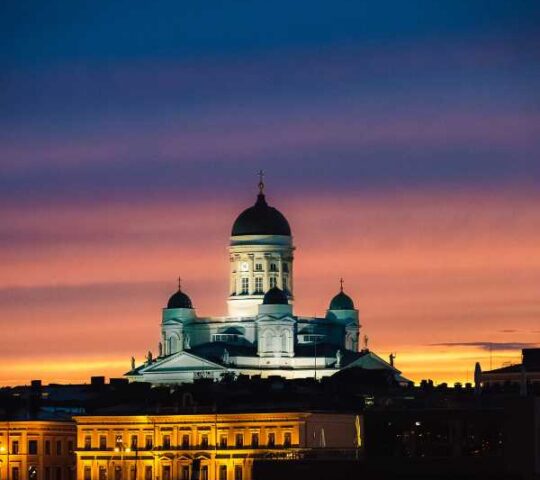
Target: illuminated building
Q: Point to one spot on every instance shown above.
(37, 450)
(210, 446)
(260, 335)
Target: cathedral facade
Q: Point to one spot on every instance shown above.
(261, 335)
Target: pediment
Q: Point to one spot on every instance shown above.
(182, 361)
(370, 361)
(275, 319)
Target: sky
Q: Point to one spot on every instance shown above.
(400, 139)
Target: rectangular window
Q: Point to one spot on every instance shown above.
(239, 440)
(134, 443)
(238, 472)
(287, 439)
(185, 441)
(166, 472)
(223, 472)
(258, 285)
(271, 439)
(273, 282)
(87, 473)
(204, 472)
(148, 442)
(70, 446)
(273, 267)
(185, 472)
(102, 473)
(58, 473)
(59, 447)
(254, 440)
(285, 267)
(132, 473)
(47, 447)
(223, 441)
(245, 286)
(15, 473)
(32, 472)
(204, 441)
(87, 442)
(258, 267)
(166, 441)
(47, 473)
(32, 447)
(117, 473)
(103, 442)
(15, 447)
(148, 472)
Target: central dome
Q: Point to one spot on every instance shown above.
(261, 219)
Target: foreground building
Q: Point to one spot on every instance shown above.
(37, 450)
(261, 335)
(207, 447)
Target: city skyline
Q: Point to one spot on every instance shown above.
(403, 149)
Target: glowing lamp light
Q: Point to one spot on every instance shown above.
(2, 449)
(128, 449)
(116, 449)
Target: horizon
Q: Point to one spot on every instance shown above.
(400, 141)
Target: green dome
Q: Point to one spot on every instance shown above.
(341, 301)
(275, 296)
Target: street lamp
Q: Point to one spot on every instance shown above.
(121, 448)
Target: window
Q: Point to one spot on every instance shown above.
(239, 440)
(15, 447)
(185, 472)
(258, 267)
(238, 472)
(47, 473)
(273, 267)
(117, 473)
(284, 286)
(285, 267)
(102, 442)
(32, 472)
(15, 473)
(134, 442)
(47, 447)
(148, 442)
(132, 473)
(148, 472)
(58, 473)
(223, 472)
(87, 442)
(32, 447)
(70, 446)
(255, 440)
(166, 472)
(204, 441)
(102, 473)
(204, 472)
(185, 441)
(166, 441)
(59, 447)
(271, 439)
(287, 439)
(258, 285)
(223, 441)
(87, 473)
(245, 286)
(273, 282)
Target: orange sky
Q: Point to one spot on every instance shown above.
(436, 275)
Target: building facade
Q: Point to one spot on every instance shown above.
(261, 335)
(37, 450)
(207, 447)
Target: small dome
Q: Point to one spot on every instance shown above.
(261, 219)
(179, 299)
(275, 296)
(341, 301)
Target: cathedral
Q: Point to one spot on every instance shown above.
(261, 335)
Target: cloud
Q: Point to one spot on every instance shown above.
(487, 345)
